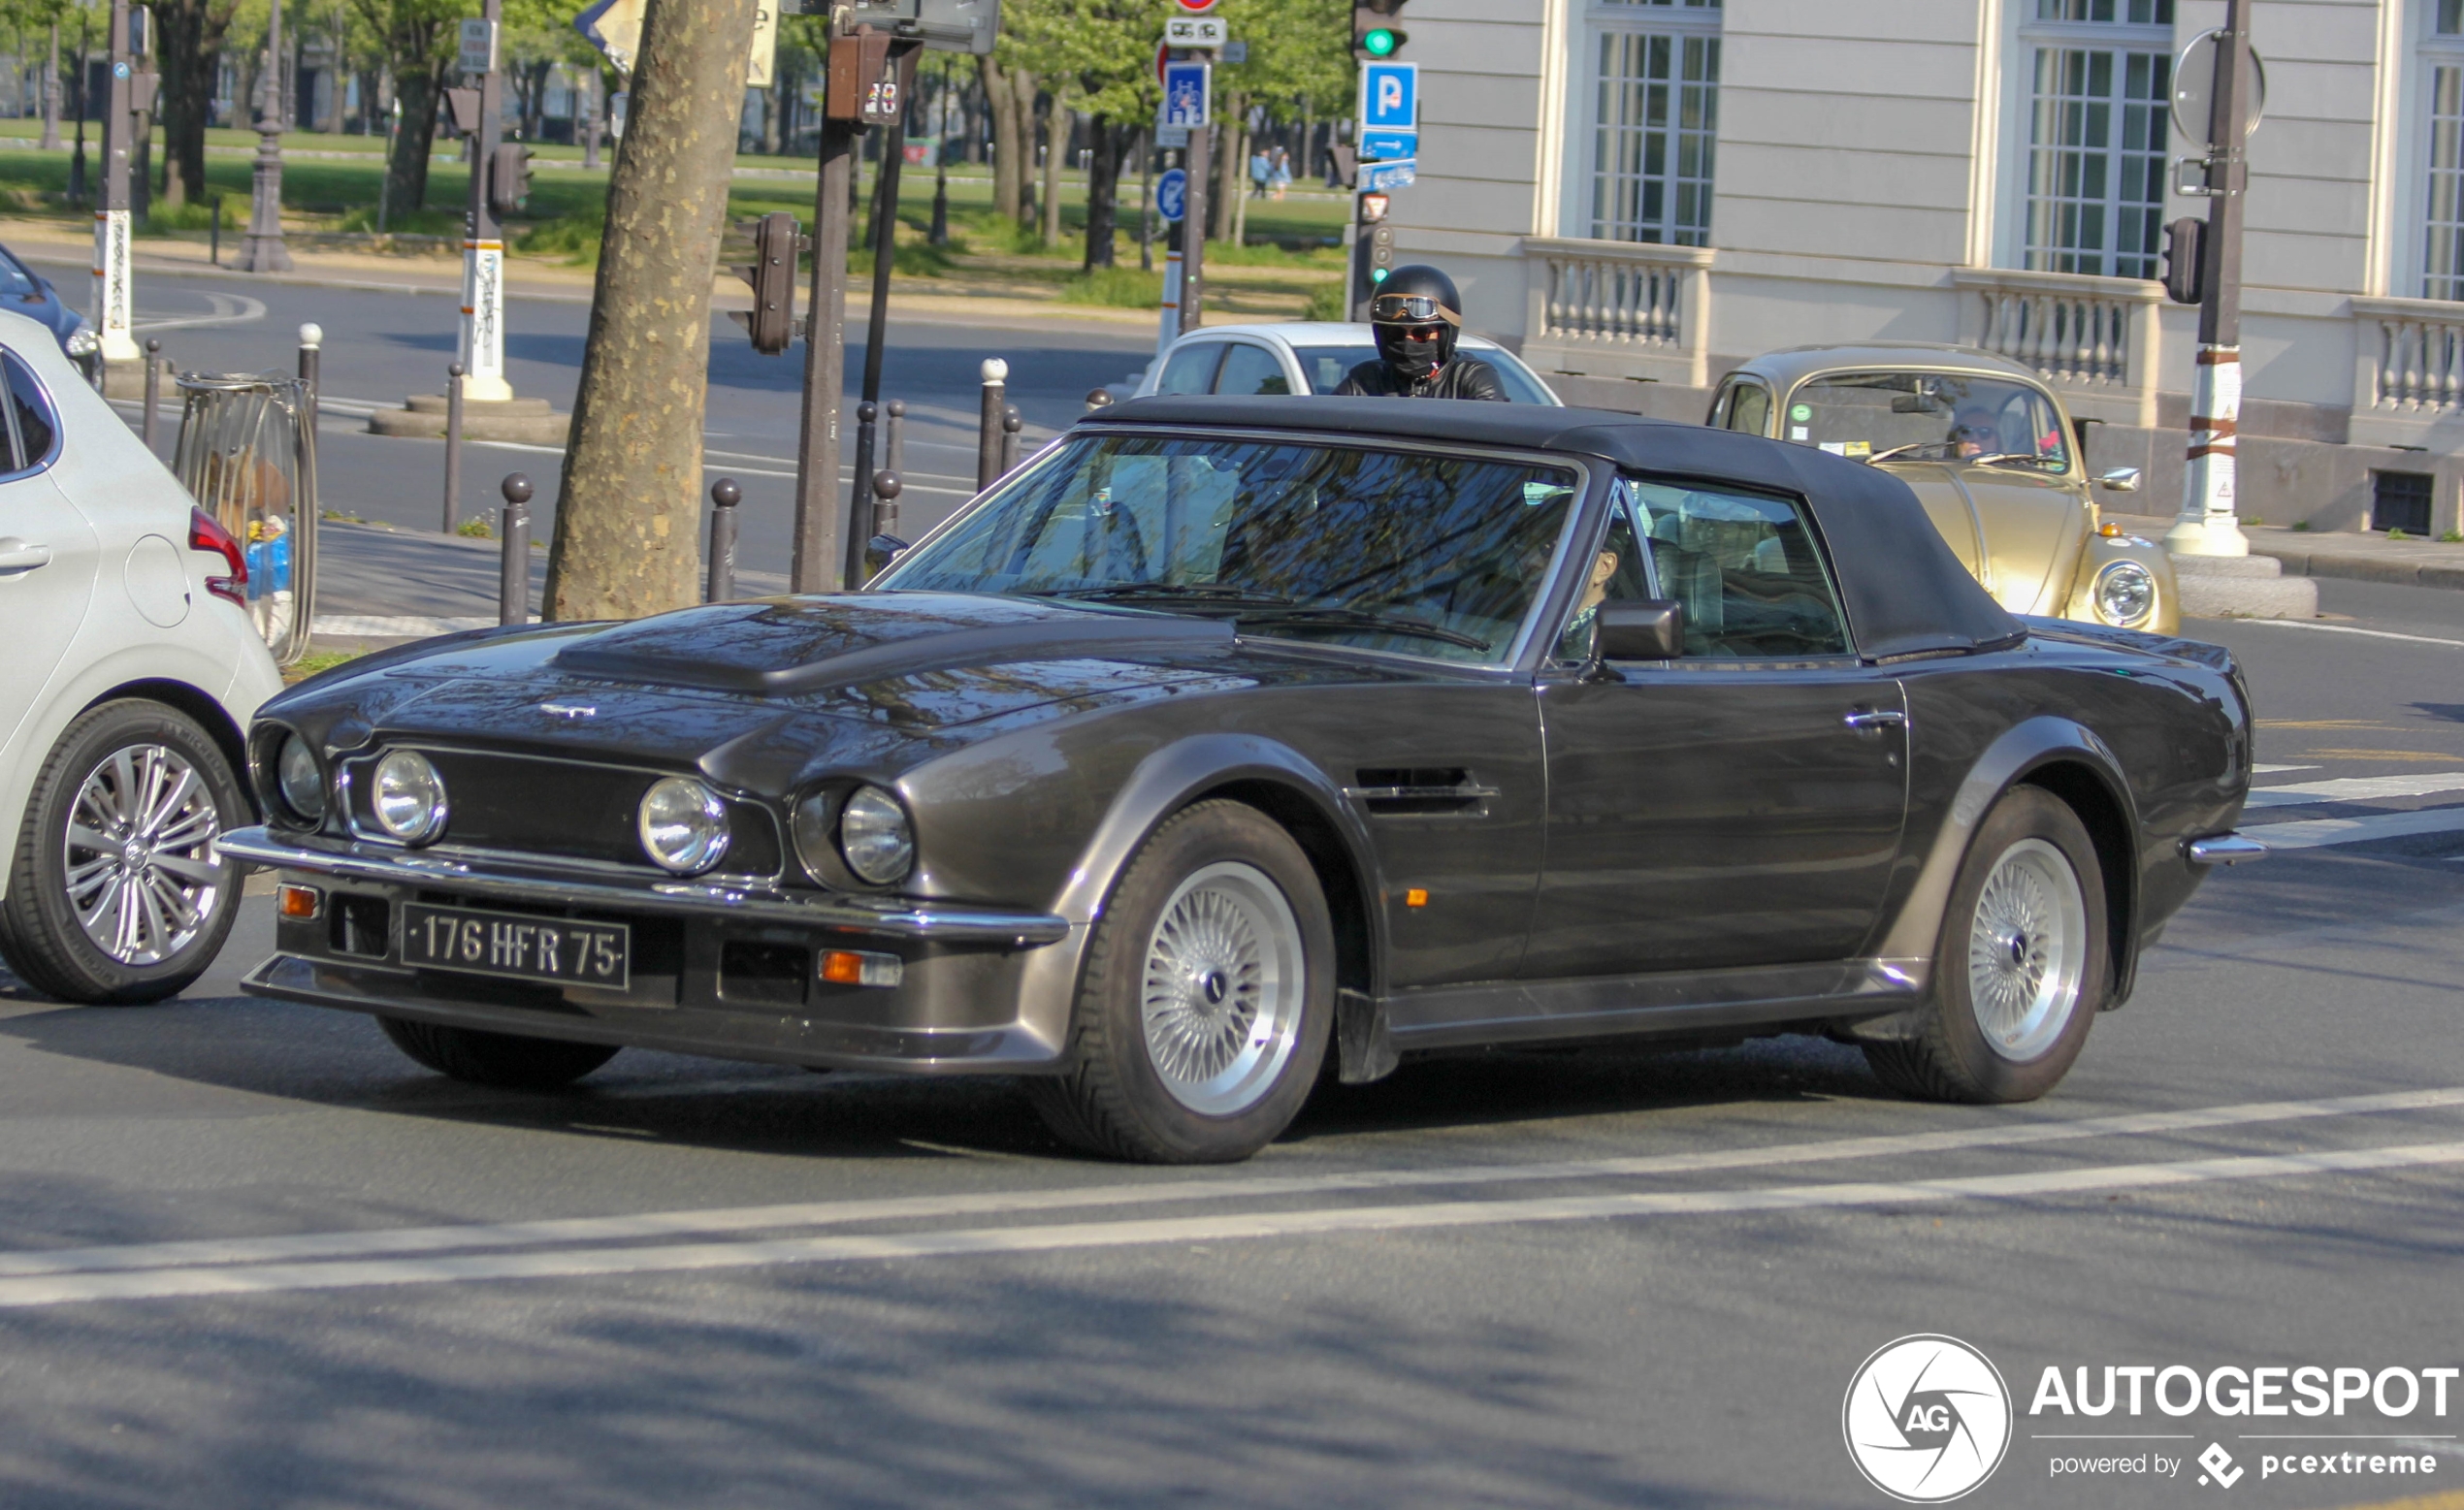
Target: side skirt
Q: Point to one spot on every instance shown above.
(1538, 1011)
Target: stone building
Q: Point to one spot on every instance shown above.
(1639, 193)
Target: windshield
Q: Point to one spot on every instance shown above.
(1423, 555)
(1328, 365)
(1931, 417)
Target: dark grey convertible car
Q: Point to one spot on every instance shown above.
(1234, 739)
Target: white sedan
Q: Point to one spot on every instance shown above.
(1304, 358)
(131, 669)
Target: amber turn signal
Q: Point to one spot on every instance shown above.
(851, 967)
(2110, 531)
(1415, 897)
(299, 904)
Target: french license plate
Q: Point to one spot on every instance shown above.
(554, 949)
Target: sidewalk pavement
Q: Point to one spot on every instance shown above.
(2354, 557)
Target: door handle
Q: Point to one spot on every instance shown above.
(15, 556)
(1868, 721)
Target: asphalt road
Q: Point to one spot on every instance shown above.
(253, 1257)
(381, 347)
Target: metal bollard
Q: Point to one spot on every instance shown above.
(987, 444)
(312, 371)
(513, 582)
(1011, 423)
(725, 496)
(213, 236)
(894, 450)
(886, 487)
(859, 488)
(453, 448)
(153, 390)
(1099, 398)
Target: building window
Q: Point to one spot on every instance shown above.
(2401, 500)
(2101, 87)
(1656, 117)
(2443, 208)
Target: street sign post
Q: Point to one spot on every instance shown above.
(478, 49)
(1389, 145)
(2231, 82)
(1172, 195)
(1194, 31)
(1389, 97)
(482, 335)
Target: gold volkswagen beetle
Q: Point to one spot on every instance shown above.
(1991, 453)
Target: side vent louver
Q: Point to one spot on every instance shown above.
(1420, 791)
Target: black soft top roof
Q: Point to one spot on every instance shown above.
(1906, 594)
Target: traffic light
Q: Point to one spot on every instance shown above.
(1374, 258)
(1373, 33)
(508, 178)
(772, 320)
(2186, 261)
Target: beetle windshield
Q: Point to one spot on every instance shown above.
(1930, 417)
(1415, 553)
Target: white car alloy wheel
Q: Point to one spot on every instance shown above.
(1223, 989)
(141, 875)
(2028, 943)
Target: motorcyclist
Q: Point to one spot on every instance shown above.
(1417, 317)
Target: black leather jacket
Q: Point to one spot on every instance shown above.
(1464, 377)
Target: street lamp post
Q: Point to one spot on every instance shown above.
(113, 299)
(2209, 526)
(262, 249)
(482, 343)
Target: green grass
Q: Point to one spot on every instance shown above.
(2452, 538)
(1116, 288)
(2302, 525)
(476, 529)
(317, 661)
(1328, 302)
(2398, 534)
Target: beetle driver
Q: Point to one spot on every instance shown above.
(1417, 317)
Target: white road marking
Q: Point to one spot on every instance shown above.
(228, 310)
(397, 626)
(2274, 770)
(2345, 628)
(2356, 788)
(717, 1222)
(278, 1278)
(2316, 833)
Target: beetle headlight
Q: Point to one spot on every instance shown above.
(683, 825)
(301, 779)
(2126, 594)
(875, 836)
(83, 342)
(407, 797)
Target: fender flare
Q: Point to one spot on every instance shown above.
(1913, 933)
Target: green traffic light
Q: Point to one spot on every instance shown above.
(1379, 41)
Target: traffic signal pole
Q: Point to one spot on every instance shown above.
(2209, 526)
(860, 526)
(1193, 224)
(114, 298)
(483, 342)
(819, 564)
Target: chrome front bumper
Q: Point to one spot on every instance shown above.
(2224, 849)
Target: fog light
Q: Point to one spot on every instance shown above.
(683, 825)
(302, 780)
(852, 966)
(409, 797)
(2126, 594)
(298, 904)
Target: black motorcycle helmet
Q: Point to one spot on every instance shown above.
(1416, 317)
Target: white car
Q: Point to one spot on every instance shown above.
(131, 670)
(1310, 356)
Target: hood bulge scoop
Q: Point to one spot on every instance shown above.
(792, 647)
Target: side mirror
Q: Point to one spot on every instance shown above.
(1653, 630)
(2122, 479)
(881, 550)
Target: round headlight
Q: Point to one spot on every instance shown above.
(875, 837)
(2126, 594)
(683, 825)
(409, 797)
(83, 342)
(302, 781)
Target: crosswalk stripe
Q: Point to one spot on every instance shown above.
(2317, 833)
(2356, 788)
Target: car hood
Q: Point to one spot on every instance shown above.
(2033, 528)
(761, 694)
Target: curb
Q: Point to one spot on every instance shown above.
(2365, 568)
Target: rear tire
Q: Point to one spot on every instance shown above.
(2022, 965)
(115, 895)
(1205, 1006)
(503, 1060)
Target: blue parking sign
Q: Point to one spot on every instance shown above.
(1186, 91)
(1172, 195)
(1390, 97)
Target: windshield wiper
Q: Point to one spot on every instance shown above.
(1207, 593)
(1307, 618)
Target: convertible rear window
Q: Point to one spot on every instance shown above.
(1420, 553)
(1930, 417)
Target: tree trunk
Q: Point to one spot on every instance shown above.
(1057, 124)
(1231, 170)
(1103, 188)
(1000, 90)
(50, 142)
(631, 491)
(406, 170)
(189, 45)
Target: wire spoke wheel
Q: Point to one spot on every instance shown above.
(2027, 941)
(1223, 989)
(141, 874)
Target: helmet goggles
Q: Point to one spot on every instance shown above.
(1411, 310)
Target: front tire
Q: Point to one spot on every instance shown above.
(1204, 1008)
(2022, 965)
(505, 1060)
(115, 895)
